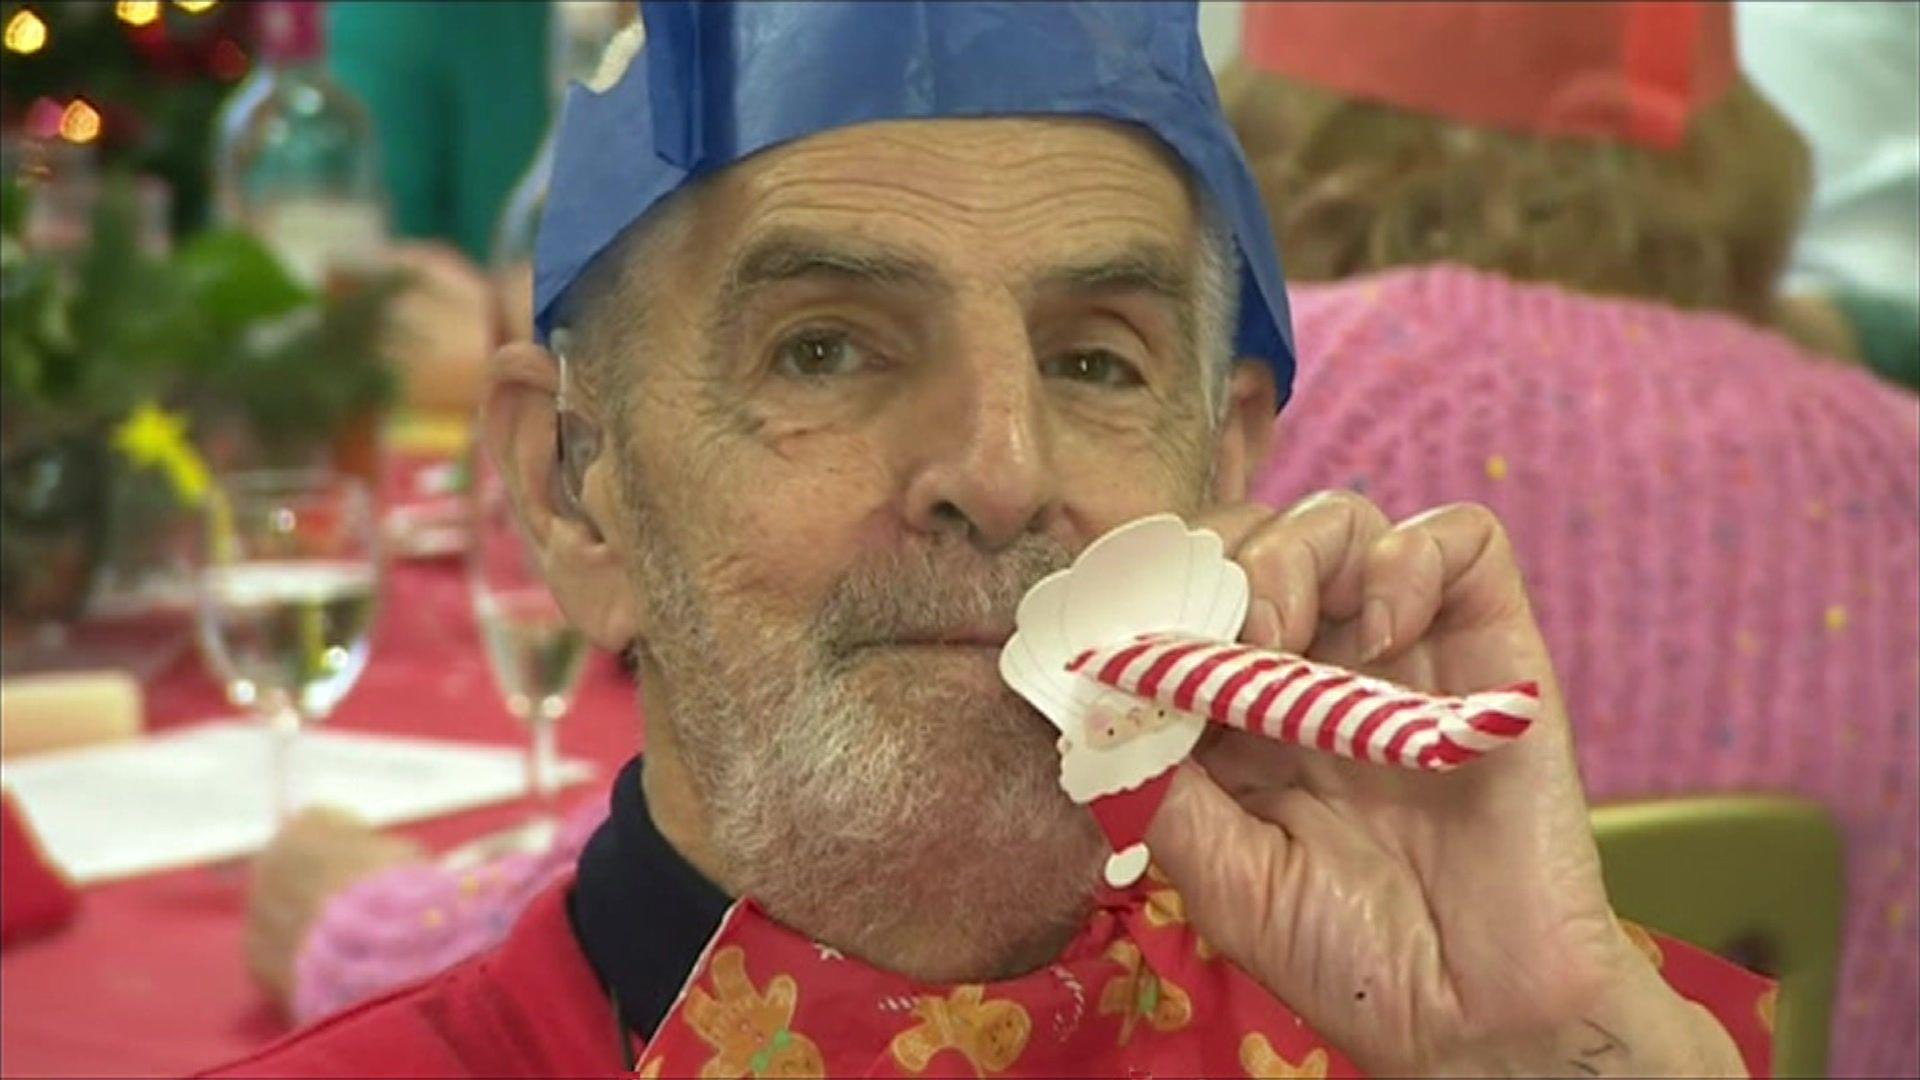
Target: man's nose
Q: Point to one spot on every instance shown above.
(984, 465)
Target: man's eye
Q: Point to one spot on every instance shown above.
(817, 355)
(1096, 366)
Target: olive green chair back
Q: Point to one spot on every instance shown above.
(1757, 879)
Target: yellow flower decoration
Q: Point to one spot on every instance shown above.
(153, 438)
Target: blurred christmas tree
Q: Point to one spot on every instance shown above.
(138, 80)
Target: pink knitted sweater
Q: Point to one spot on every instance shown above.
(1690, 498)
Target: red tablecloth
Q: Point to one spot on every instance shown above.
(150, 979)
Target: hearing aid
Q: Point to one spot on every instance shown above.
(576, 443)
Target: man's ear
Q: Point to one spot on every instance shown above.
(1246, 430)
(566, 518)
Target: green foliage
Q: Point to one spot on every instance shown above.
(232, 280)
(13, 208)
(218, 328)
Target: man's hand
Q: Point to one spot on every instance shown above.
(1424, 923)
(319, 853)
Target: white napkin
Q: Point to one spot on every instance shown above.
(200, 794)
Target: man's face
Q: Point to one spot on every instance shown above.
(890, 376)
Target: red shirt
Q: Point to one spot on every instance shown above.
(532, 1007)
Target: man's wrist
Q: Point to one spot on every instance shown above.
(1640, 1026)
(1637, 1025)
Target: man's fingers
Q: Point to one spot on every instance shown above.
(1234, 524)
(1453, 564)
(1334, 560)
(1327, 537)
(1405, 579)
(1240, 762)
(1303, 566)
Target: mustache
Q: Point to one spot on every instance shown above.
(945, 589)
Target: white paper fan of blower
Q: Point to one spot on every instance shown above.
(1154, 575)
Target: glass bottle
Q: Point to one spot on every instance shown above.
(296, 161)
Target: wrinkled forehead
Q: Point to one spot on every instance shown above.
(1035, 182)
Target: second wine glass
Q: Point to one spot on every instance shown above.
(537, 656)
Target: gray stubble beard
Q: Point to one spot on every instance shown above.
(857, 794)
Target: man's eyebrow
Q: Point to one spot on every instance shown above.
(784, 255)
(1138, 267)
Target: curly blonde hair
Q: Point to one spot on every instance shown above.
(1354, 186)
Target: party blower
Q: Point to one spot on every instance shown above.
(1132, 651)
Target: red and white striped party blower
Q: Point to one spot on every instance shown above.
(1304, 703)
(1130, 653)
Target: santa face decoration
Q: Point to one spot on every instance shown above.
(1107, 728)
(1132, 650)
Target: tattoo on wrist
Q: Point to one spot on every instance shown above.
(1596, 1050)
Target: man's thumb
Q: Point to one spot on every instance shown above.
(1227, 865)
(1216, 853)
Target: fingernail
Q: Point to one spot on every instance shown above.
(1376, 630)
(1263, 628)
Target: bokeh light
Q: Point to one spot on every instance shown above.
(26, 34)
(80, 123)
(137, 12)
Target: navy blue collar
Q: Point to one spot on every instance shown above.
(641, 912)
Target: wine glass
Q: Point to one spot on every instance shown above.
(537, 656)
(287, 596)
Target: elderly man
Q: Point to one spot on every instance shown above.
(892, 310)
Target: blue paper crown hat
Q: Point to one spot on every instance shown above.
(717, 82)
